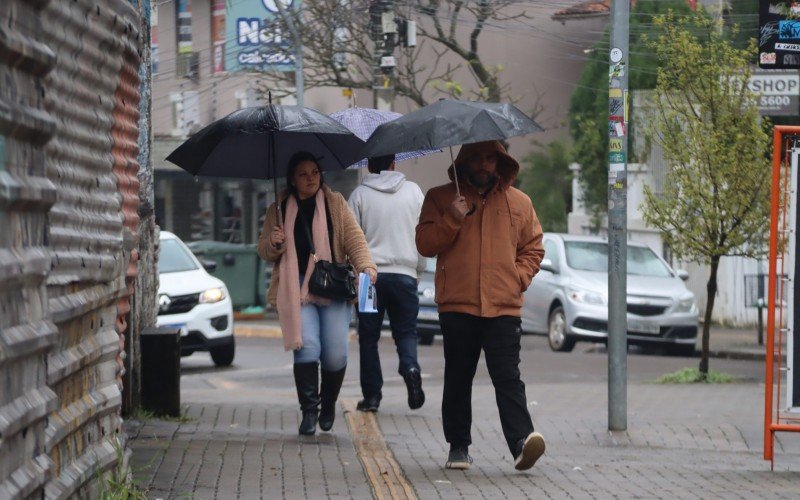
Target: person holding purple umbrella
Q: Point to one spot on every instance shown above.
(386, 206)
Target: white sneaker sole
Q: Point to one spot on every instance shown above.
(457, 465)
(532, 450)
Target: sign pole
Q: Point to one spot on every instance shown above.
(617, 217)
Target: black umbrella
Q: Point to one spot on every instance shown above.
(448, 123)
(256, 143)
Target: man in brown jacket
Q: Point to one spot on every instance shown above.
(488, 242)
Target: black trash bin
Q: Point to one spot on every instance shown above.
(161, 370)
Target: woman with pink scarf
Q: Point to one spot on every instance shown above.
(314, 328)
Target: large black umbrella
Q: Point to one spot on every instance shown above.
(449, 123)
(256, 143)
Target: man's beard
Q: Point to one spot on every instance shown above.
(481, 181)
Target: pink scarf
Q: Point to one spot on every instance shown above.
(290, 293)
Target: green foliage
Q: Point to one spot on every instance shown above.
(588, 108)
(118, 484)
(545, 177)
(715, 201)
(716, 195)
(141, 414)
(694, 376)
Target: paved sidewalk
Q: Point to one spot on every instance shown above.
(240, 438)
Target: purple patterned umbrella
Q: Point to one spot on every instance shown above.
(363, 121)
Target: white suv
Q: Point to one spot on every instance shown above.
(191, 299)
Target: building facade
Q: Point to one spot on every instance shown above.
(201, 74)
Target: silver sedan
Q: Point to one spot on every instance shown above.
(568, 298)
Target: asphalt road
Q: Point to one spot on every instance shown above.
(262, 363)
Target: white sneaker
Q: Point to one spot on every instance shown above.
(532, 448)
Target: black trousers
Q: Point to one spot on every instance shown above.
(464, 337)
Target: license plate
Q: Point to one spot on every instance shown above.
(638, 326)
(182, 327)
(428, 314)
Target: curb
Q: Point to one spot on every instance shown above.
(269, 332)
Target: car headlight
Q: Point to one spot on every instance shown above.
(685, 305)
(428, 293)
(587, 297)
(212, 295)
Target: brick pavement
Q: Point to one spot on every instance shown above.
(241, 439)
(664, 454)
(243, 451)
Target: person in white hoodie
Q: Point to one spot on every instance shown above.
(387, 207)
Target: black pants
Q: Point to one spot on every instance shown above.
(464, 337)
(397, 297)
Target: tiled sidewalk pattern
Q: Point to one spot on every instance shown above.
(244, 452)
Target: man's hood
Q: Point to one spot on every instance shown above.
(388, 181)
(507, 167)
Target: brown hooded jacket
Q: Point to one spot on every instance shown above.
(487, 260)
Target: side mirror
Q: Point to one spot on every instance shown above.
(228, 259)
(682, 274)
(209, 265)
(547, 265)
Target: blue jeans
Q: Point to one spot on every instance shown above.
(324, 331)
(397, 296)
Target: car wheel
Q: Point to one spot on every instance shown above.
(681, 350)
(223, 355)
(426, 338)
(557, 331)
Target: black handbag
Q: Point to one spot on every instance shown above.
(330, 280)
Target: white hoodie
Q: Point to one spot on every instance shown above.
(387, 208)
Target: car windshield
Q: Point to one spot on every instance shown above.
(430, 264)
(592, 256)
(174, 258)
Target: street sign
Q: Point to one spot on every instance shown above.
(779, 29)
(779, 91)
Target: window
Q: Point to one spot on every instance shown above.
(591, 256)
(551, 252)
(174, 258)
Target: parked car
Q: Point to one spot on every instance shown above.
(191, 299)
(568, 298)
(428, 317)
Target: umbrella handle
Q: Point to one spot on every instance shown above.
(455, 171)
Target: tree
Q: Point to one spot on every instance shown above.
(545, 178)
(338, 47)
(588, 106)
(716, 199)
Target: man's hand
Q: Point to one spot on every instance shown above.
(459, 207)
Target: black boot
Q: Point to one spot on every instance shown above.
(329, 392)
(306, 378)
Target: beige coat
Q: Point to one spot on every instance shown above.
(348, 239)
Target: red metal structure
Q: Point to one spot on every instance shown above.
(781, 294)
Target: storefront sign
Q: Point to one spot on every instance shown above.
(254, 38)
(778, 91)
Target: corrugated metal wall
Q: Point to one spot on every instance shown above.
(26, 331)
(69, 199)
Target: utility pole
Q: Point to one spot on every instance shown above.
(297, 44)
(383, 33)
(618, 217)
